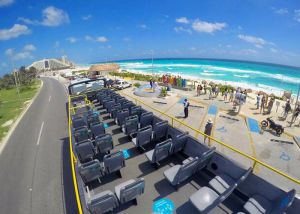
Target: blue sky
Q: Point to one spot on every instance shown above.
(94, 30)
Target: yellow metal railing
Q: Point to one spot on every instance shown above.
(73, 161)
(255, 161)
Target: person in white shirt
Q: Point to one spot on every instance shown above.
(186, 105)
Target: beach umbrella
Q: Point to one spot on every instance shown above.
(249, 90)
(204, 82)
(211, 83)
(261, 93)
(272, 95)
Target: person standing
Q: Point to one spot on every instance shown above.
(287, 108)
(225, 95)
(231, 95)
(296, 114)
(205, 88)
(208, 129)
(257, 101)
(198, 90)
(186, 105)
(270, 105)
(262, 105)
(151, 84)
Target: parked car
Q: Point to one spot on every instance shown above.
(121, 84)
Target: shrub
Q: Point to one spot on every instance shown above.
(137, 84)
(163, 92)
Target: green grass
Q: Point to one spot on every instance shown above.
(11, 106)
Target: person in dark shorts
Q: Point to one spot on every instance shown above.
(186, 105)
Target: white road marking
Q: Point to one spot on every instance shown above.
(49, 98)
(41, 129)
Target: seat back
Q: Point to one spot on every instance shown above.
(90, 171)
(114, 109)
(104, 143)
(114, 162)
(102, 203)
(81, 134)
(144, 136)
(132, 191)
(97, 129)
(120, 100)
(186, 171)
(127, 104)
(160, 130)
(105, 98)
(85, 151)
(78, 122)
(179, 142)
(109, 105)
(92, 119)
(162, 150)
(136, 110)
(283, 202)
(121, 116)
(205, 158)
(131, 124)
(146, 119)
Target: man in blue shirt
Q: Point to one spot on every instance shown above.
(186, 105)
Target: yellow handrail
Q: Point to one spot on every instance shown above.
(72, 156)
(256, 161)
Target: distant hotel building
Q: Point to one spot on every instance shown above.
(52, 64)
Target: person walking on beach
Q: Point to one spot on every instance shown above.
(208, 129)
(257, 101)
(186, 105)
(270, 105)
(225, 95)
(217, 90)
(198, 90)
(296, 114)
(231, 96)
(205, 88)
(262, 105)
(287, 108)
(151, 83)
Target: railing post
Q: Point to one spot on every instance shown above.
(172, 121)
(254, 165)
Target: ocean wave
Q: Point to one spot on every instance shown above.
(241, 76)
(212, 74)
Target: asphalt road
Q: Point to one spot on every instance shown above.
(31, 164)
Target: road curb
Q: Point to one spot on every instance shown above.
(4, 140)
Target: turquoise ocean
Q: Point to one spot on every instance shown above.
(259, 76)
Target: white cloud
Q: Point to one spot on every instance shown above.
(71, 39)
(52, 17)
(273, 50)
(207, 27)
(182, 29)
(22, 56)
(56, 44)
(256, 41)
(9, 52)
(14, 32)
(183, 20)
(87, 17)
(297, 15)
(143, 26)
(193, 48)
(4, 3)
(101, 39)
(29, 47)
(96, 39)
(281, 11)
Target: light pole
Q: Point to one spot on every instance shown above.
(14, 73)
(296, 103)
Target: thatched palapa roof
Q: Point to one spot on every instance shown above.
(104, 67)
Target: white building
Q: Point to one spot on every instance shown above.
(52, 64)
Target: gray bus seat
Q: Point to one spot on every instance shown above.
(136, 110)
(81, 134)
(104, 143)
(206, 199)
(205, 158)
(259, 204)
(131, 125)
(179, 142)
(102, 202)
(90, 171)
(93, 119)
(130, 190)
(142, 137)
(85, 151)
(114, 109)
(179, 173)
(146, 119)
(121, 116)
(160, 152)
(120, 100)
(113, 162)
(160, 130)
(78, 123)
(97, 129)
(223, 181)
(109, 105)
(127, 104)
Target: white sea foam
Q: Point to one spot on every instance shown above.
(241, 76)
(212, 74)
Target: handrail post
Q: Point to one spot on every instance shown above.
(254, 164)
(172, 121)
